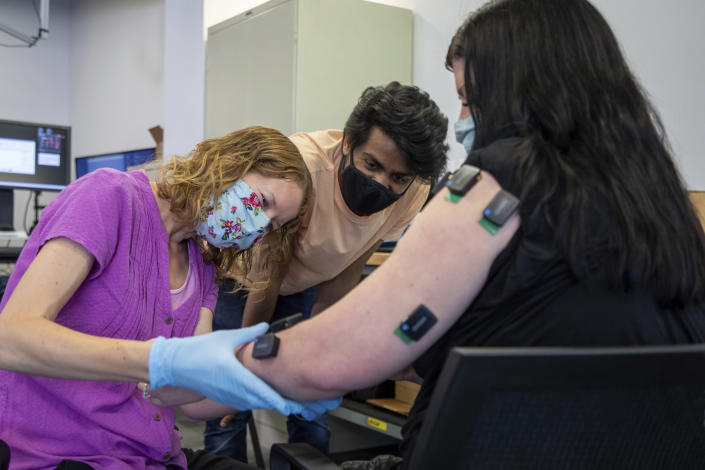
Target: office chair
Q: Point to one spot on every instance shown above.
(558, 408)
(4, 455)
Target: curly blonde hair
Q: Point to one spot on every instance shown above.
(191, 183)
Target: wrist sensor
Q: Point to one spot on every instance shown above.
(267, 345)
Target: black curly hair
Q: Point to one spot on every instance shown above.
(410, 118)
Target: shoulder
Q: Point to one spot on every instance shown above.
(413, 200)
(501, 158)
(108, 180)
(324, 139)
(320, 149)
(107, 189)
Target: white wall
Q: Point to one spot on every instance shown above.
(35, 81)
(102, 71)
(114, 68)
(117, 50)
(663, 41)
(184, 76)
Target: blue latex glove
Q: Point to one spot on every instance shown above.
(207, 364)
(314, 409)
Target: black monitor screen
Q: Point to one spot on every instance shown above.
(34, 156)
(120, 161)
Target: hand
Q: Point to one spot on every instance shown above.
(226, 420)
(169, 396)
(311, 410)
(314, 409)
(207, 364)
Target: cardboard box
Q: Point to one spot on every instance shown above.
(404, 396)
(698, 199)
(406, 391)
(157, 134)
(154, 168)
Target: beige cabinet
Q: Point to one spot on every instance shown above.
(300, 65)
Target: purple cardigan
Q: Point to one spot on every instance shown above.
(108, 425)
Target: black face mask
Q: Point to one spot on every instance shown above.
(363, 195)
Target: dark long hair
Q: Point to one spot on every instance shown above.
(594, 146)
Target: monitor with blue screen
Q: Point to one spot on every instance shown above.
(119, 160)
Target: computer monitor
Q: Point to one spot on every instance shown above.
(119, 160)
(34, 156)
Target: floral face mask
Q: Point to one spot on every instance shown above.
(236, 219)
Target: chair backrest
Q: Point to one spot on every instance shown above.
(4, 455)
(566, 408)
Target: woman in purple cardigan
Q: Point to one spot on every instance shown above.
(117, 261)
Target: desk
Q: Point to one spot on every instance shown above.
(9, 254)
(377, 258)
(370, 417)
(13, 235)
(11, 244)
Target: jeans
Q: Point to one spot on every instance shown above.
(231, 440)
(195, 459)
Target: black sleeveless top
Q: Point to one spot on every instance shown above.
(532, 298)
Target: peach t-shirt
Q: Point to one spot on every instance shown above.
(335, 236)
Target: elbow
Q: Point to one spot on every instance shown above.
(204, 410)
(190, 414)
(322, 381)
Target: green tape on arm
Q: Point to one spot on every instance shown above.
(489, 226)
(402, 336)
(453, 197)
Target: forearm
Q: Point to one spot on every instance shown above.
(206, 409)
(260, 305)
(38, 346)
(331, 291)
(352, 345)
(172, 396)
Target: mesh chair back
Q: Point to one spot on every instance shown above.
(559, 408)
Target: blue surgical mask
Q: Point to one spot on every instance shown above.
(237, 219)
(465, 132)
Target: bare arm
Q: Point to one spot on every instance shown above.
(32, 343)
(408, 374)
(442, 262)
(172, 396)
(331, 291)
(260, 304)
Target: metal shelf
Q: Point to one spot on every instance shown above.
(370, 417)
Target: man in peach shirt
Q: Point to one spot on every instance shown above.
(369, 182)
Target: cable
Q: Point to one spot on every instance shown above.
(26, 208)
(36, 10)
(18, 45)
(31, 41)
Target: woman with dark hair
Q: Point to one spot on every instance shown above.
(610, 251)
(589, 155)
